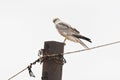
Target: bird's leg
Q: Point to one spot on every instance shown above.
(64, 41)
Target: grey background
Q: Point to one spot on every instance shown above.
(26, 24)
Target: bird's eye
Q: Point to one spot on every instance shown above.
(54, 20)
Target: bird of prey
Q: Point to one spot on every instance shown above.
(70, 33)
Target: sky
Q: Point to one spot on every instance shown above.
(26, 24)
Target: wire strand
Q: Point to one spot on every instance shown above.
(68, 53)
(93, 47)
(17, 73)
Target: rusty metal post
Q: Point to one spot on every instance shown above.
(52, 67)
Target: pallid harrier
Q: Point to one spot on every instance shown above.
(70, 33)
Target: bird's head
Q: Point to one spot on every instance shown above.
(55, 20)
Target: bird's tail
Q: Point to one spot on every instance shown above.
(84, 45)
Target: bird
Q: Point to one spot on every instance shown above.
(70, 33)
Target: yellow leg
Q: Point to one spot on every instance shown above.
(64, 41)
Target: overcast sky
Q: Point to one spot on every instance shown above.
(26, 24)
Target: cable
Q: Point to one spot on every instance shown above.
(28, 67)
(93, 47)
(18, 73)
(65, 54)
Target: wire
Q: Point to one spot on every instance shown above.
(18, 73)
(28, 67)
(93, 47)
(68, 53)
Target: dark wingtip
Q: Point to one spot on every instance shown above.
(82, 37)
(90, 41)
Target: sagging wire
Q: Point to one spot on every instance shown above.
(29, 69)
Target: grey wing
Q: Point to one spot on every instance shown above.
(68, 28)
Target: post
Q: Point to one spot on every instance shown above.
(52, 66)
